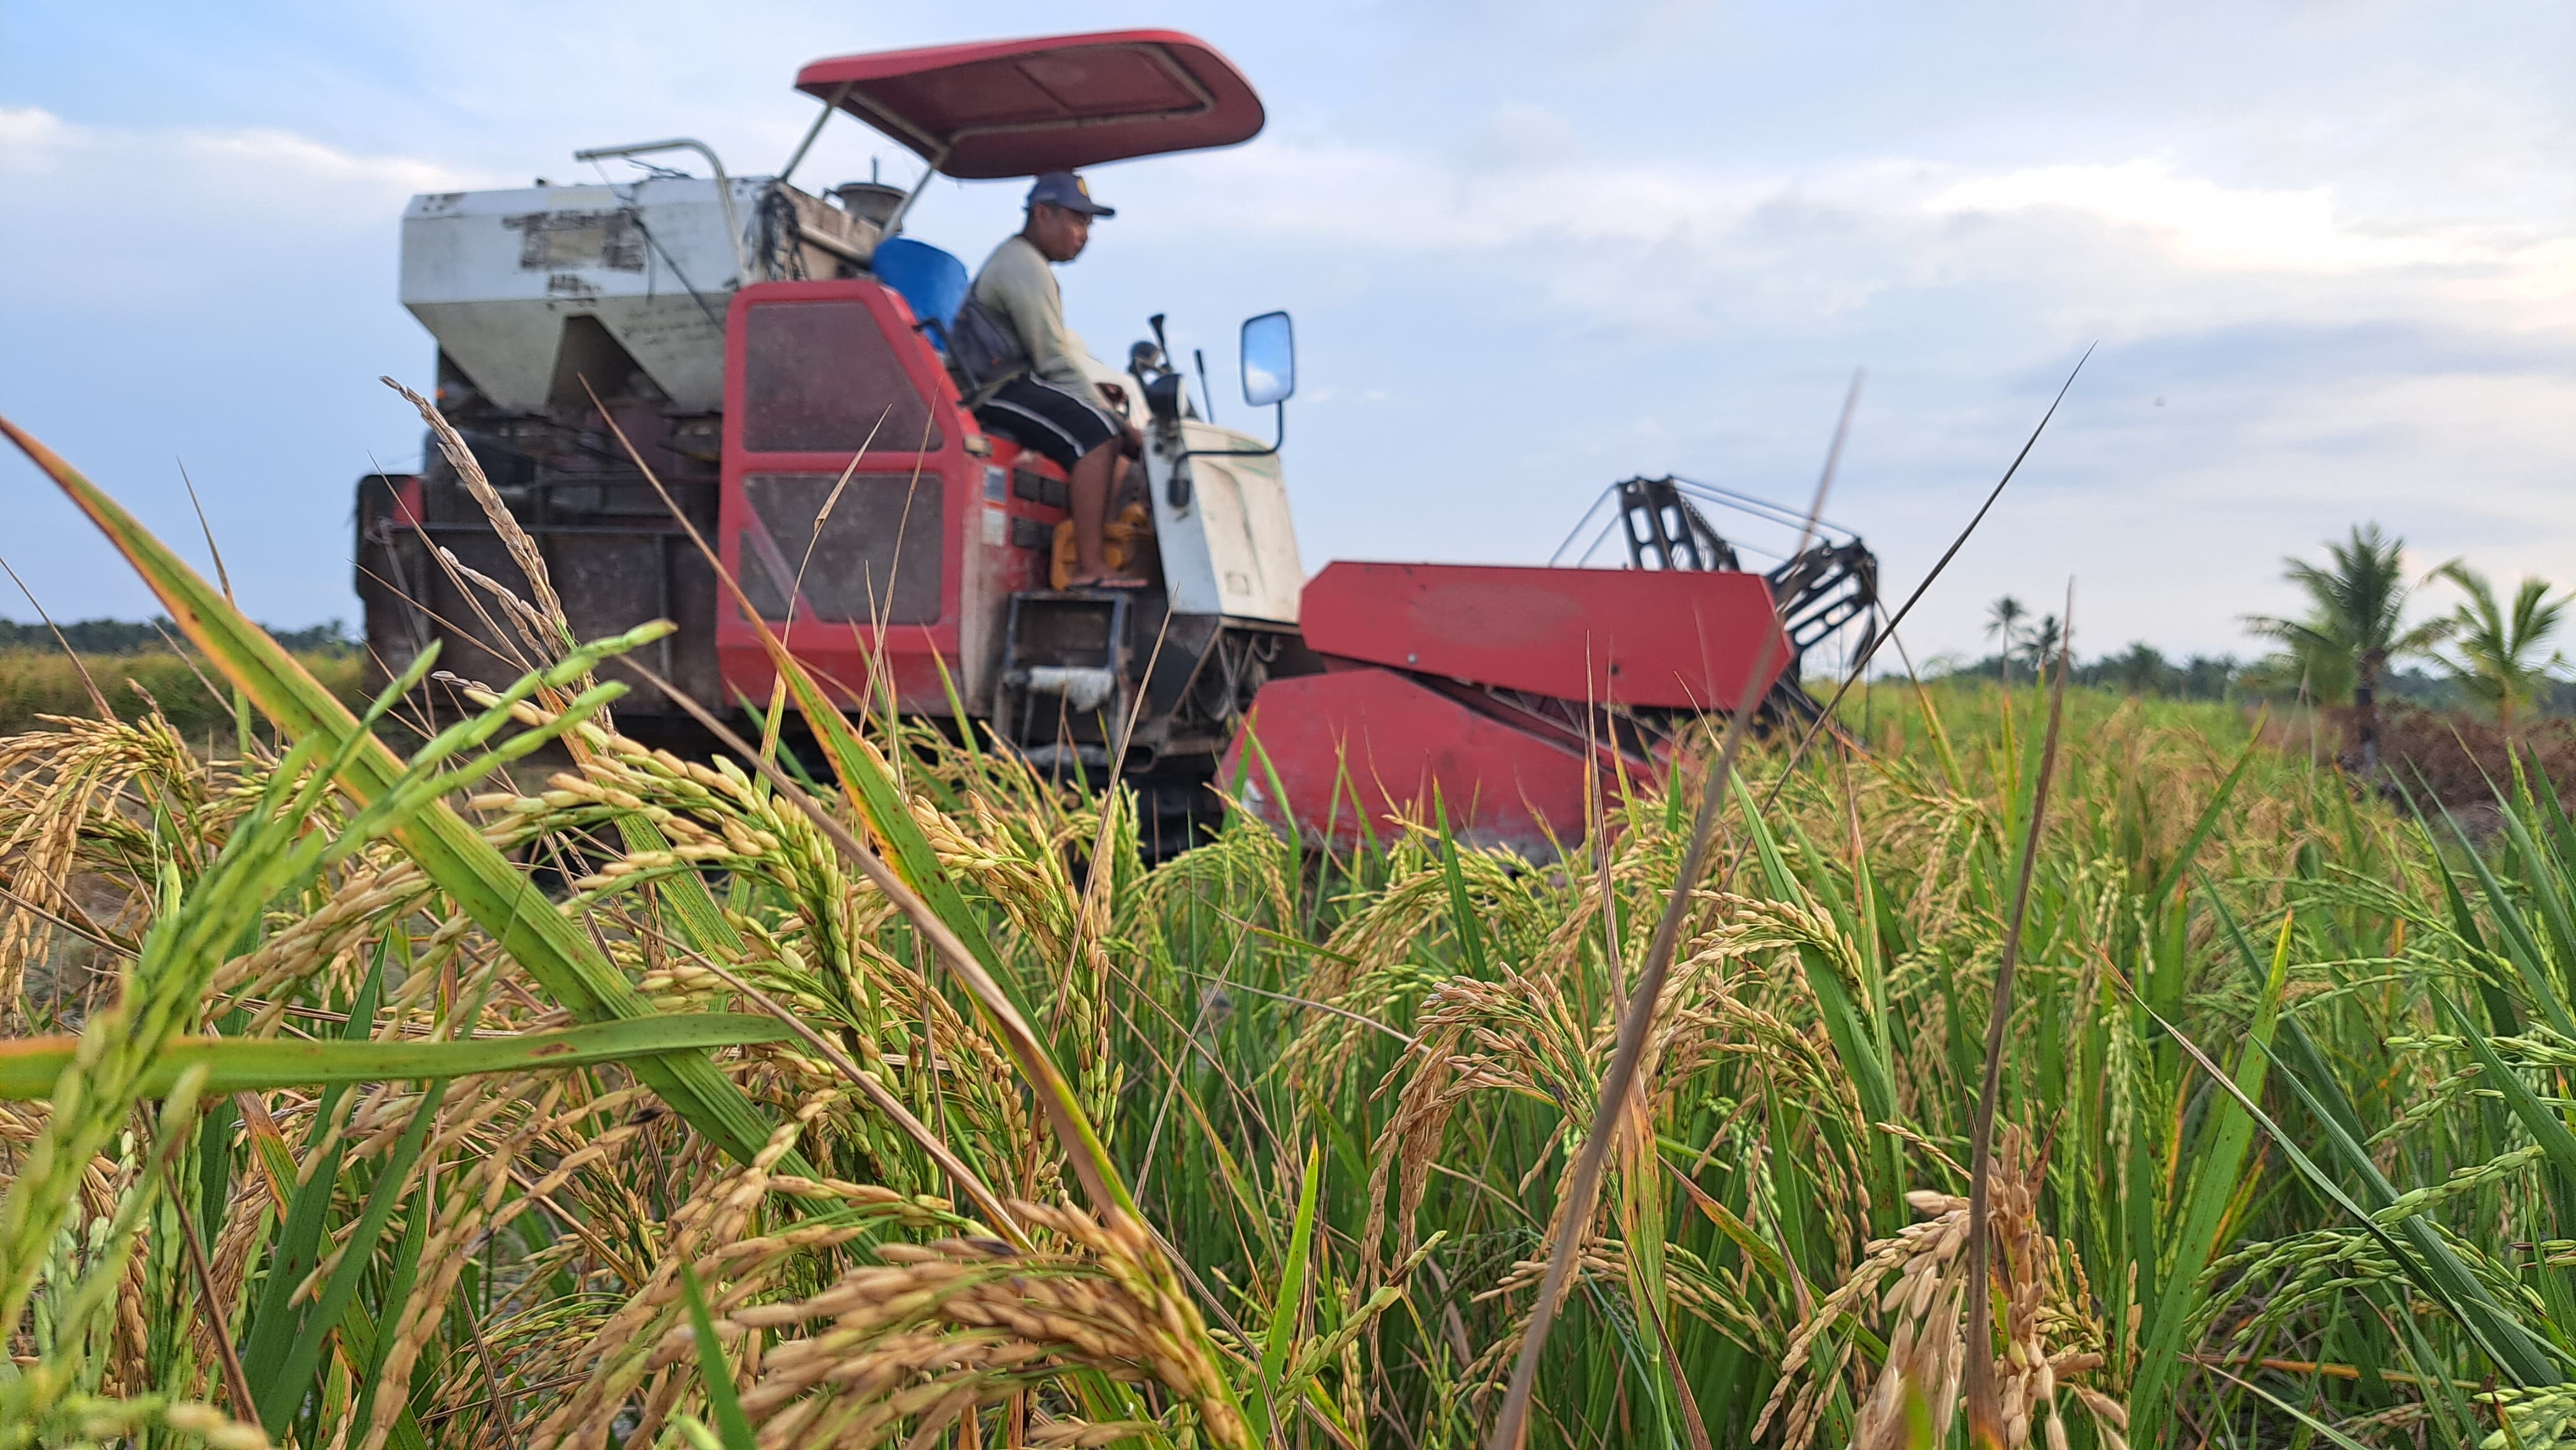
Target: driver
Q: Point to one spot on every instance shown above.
(1056, 408)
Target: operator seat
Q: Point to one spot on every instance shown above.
(932, 282)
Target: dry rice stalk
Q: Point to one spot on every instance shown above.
(1915, 1281)
(931, 1331)
(523, 550)
(67, 792)
(707, 1233)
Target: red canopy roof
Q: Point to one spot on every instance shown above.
(1050, 103)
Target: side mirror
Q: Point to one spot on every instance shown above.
(1269, 359)
(1269, 376)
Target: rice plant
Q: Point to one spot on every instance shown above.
(356, 1099)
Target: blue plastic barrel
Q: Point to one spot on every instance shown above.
(932, 282)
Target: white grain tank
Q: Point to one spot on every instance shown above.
(496, 276)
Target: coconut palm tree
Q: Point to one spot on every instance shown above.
(2003, 618)
(2355, 625)
(2042, 640)
(2498, 644)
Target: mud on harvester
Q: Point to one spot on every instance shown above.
(769, 350)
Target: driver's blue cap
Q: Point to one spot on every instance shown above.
(1064, 189)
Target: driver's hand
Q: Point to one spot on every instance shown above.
(1131, 442)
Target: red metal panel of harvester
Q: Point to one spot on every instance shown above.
(853, 511)
(1639, 638)
(1360, 751)
(1404, 715)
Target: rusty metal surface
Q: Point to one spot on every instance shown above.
(557, 241)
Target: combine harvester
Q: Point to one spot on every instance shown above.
(753, 340)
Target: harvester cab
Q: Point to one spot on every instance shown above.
(1145, 683)
(775, 357)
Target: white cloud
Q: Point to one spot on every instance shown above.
(2205, 224)
(27, 136)
(2327, 362)
(211, 176)
(2117, 248)
(180, 214)
(1556, 248)
(1394, 199)
(282, 156)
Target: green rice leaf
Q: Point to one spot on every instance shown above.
(29, 1067)
(1288, 1304)
(713, 1371)
(303, 1359)
(2220, 1159)
(499, 898)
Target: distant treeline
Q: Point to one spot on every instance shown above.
(2142, 669)
(157, 636)
(2492, 646)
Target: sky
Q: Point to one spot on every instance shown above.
(2324, 253)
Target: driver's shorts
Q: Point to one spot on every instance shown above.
(1055, 421)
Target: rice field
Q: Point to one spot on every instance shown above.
(358, 1100)
(37, 682)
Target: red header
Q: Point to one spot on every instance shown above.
(1051, 103)
(1674, 639)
